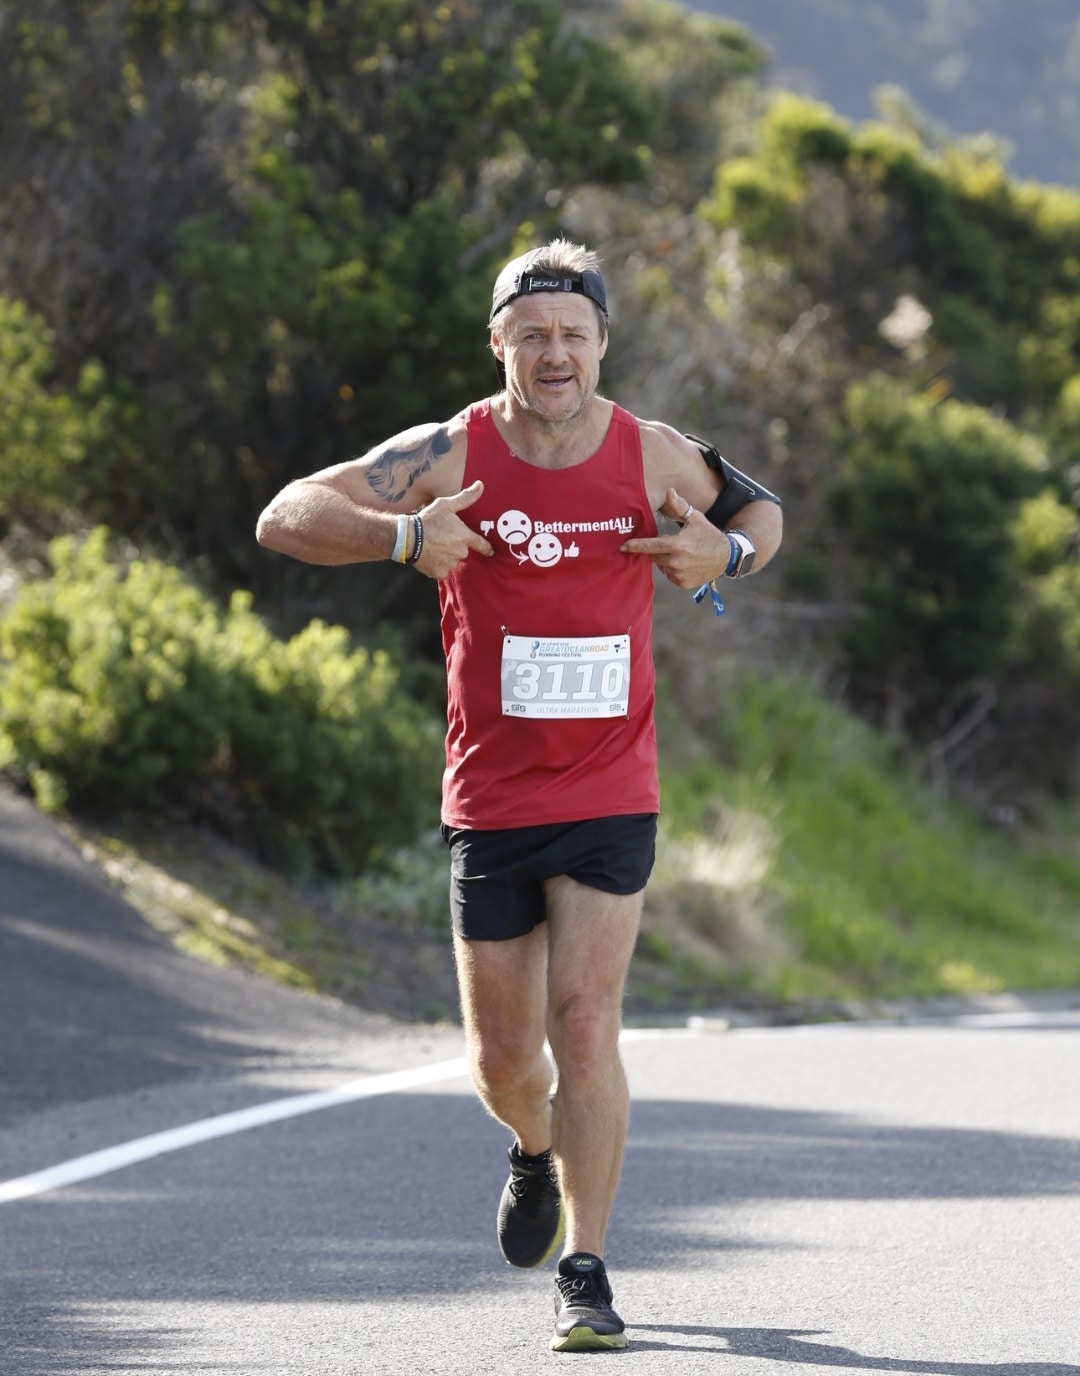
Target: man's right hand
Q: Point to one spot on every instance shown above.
(447, 539)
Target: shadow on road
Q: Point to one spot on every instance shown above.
(784, 1345)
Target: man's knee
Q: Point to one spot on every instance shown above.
(583, 1030)
(502, 1064)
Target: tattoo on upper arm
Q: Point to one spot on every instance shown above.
(396, 469)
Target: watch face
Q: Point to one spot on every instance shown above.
(745, 564)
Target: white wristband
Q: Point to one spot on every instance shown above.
(398, 555)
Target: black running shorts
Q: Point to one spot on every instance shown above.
(496, 877)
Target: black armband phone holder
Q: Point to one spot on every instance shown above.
(738, 490)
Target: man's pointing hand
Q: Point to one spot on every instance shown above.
(697, 553)
(447, 539)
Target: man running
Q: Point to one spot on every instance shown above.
(535, 511)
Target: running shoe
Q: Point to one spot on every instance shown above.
(584, 1318)
(531, 1223)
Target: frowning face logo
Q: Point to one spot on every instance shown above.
(514, 527)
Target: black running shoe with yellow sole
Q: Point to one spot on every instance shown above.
(531, 1223)
(584, 1318)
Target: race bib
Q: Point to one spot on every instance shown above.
(566, 678)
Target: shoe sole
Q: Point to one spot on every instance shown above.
(582, 1339)
(556, 1243)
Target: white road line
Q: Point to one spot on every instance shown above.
(224, 1124)
(175, 1139)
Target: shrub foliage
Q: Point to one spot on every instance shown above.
(123, 685)
(926, 495)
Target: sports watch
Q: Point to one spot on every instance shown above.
(742, 560)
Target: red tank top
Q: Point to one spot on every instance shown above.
(542, 626)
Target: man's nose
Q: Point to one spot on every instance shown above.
(555, 350)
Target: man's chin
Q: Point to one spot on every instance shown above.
(557, 408)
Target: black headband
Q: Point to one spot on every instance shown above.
(509, 286)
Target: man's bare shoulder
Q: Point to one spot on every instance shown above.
(669, 459)
(666, 452)
(661, 443)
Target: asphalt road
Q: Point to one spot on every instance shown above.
(237, 1187)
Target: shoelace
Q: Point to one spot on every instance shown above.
(586, 1290)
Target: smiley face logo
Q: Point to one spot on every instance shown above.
(545, 550)
(514, 527)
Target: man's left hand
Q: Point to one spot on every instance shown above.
(694, 555)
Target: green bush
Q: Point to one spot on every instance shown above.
(44, 433)
(124, 685)
(1046, 533)
(926, 495)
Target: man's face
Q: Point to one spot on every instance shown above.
(551, 349)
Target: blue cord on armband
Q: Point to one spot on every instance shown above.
(718, 606)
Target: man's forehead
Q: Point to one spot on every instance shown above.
(546, 309)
